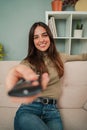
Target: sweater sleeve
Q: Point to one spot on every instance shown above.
(79, 57)
(25, 62)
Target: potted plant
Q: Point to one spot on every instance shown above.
(78, 30)
(2, 54)
(69, 5)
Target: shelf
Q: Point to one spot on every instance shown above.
(65, 22)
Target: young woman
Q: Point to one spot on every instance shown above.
(41, 112)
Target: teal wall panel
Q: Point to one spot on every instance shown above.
(16, 18)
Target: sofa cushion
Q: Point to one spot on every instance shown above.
(7, 115)
(74, 85)
(75, 73)
(4, 69)
(5, 66)
(5, 100)
(74, 119)
(85, 106)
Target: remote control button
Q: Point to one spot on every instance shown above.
(25, 92)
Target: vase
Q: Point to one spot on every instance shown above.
(78, 33)
(56, 5)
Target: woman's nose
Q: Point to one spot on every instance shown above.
(41, 39)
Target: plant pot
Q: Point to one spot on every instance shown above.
(56, 5)
(68, 8)
(78, 33)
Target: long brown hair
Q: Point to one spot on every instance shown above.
(35, 57)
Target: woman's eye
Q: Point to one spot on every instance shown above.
(35, 37)
(45, 35)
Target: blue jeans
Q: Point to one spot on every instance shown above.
(38, 116)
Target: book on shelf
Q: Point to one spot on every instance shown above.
(52, 26)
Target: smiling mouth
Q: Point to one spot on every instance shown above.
(42, 45)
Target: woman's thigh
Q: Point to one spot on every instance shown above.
(28, 121)
(28, 117)
(52, 118)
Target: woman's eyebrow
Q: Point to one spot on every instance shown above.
(41, 34)
(44, 33)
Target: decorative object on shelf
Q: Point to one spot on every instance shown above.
(69, 5)
(78, 31)
(2, 54)
(52, 26)
(81, 5)
(56, 5)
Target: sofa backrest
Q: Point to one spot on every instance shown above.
(5, 66)
(74, 85)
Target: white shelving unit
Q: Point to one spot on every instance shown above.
(65, 24)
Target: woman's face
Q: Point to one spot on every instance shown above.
(41, 39)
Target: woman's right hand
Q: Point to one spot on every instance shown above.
(22, 71)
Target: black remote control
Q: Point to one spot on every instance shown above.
(24, 88)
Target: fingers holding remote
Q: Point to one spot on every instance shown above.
(44, 80)
(18, 72)
(22, 71)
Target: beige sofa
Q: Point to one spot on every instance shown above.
(72, 103)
